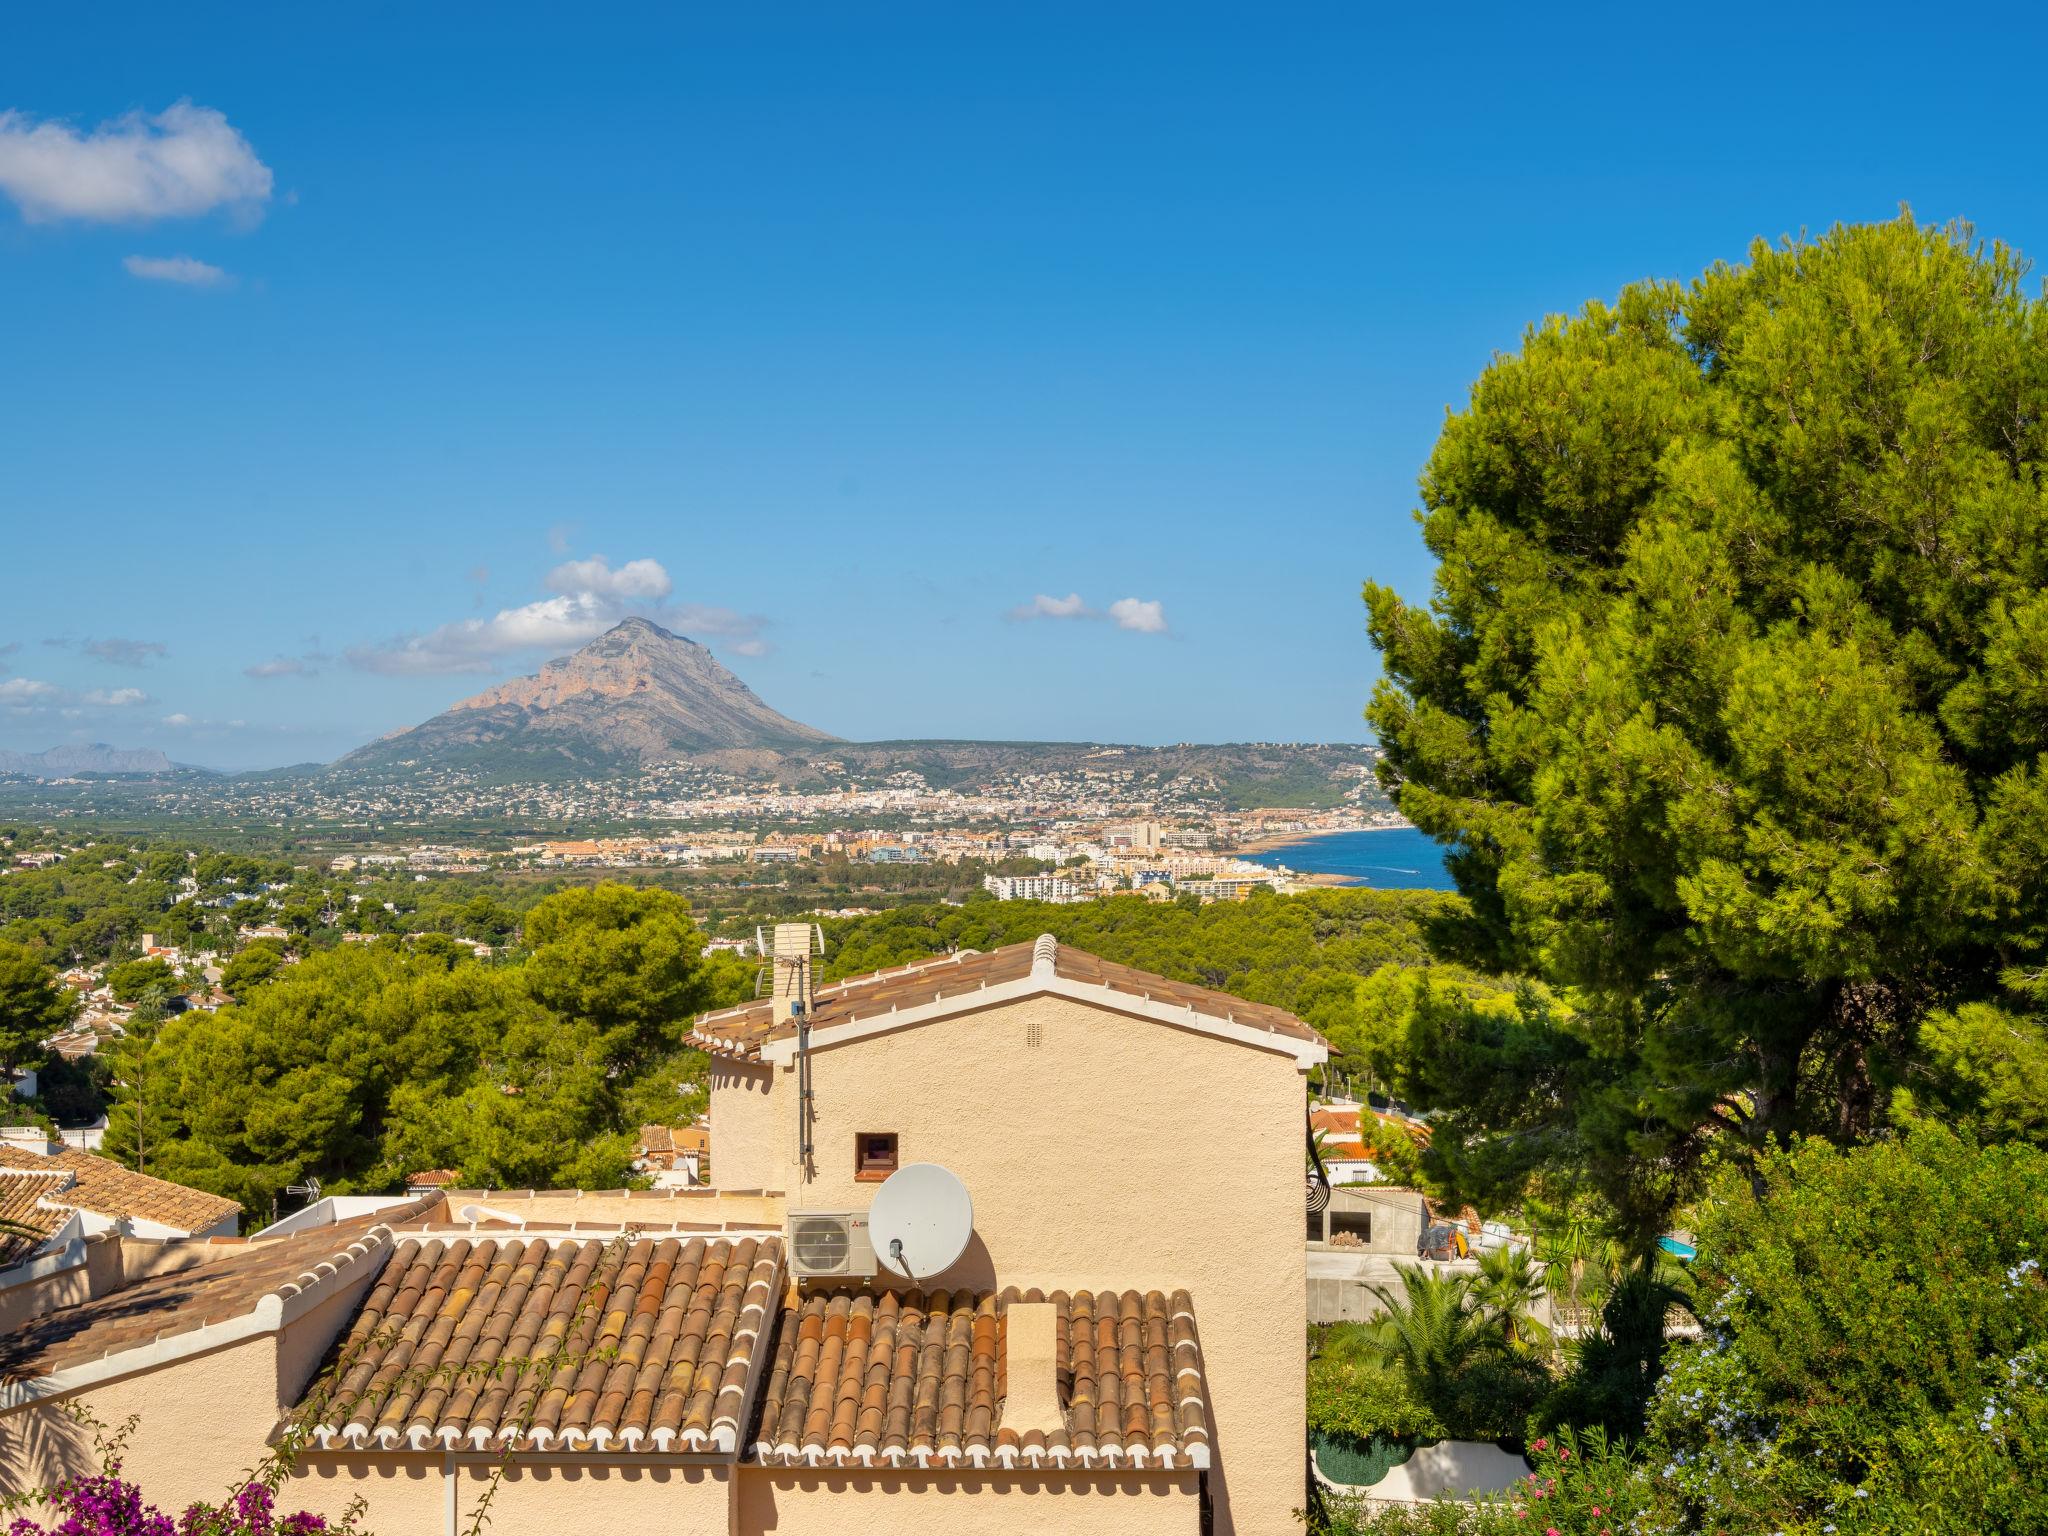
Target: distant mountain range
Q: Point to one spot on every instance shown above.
(638, 695)
(63, 762)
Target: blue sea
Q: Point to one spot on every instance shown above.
(1390, 858)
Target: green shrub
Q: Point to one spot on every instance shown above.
(1362, 1399)
(1876, 1355)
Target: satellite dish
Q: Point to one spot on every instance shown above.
(920, 1221)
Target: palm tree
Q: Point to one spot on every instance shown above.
(1433, 1329)
(1508, 1288)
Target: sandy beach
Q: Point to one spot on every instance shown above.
(1272, 840)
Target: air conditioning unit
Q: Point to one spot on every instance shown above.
(830, 1245)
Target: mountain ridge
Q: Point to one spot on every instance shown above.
(97, 757)
(635, 695)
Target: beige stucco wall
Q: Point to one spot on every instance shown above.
(648, 1208)
(747, 1147)
(200, 1423)
(27, 1299)
(408, 1495)
(825, 1503)
(401, 1495)
(1077, 1153)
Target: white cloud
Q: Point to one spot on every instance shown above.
(25, 690)
(1134, 614)
(590, 596)
(1139, 617)
(176, 269)
(1043, 607)
(179, 720)
(117, 698)
(635, 581)
(179, 163)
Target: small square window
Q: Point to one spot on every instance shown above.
(874, 1155)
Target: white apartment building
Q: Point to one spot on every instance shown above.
(1030, 887)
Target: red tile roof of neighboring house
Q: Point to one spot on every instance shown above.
(538, 1344)
(913, 1380)
(105, 1188)
(27, 1200)
(742, 1031)
(238, 1274)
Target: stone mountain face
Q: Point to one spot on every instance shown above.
(636, 694)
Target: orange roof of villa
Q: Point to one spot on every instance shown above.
(890, 1380)
(105, 1188)
(27, 1201)
(549, 1344)
(742, 1032)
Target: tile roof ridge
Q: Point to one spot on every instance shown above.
(911, 968)
(379, 1236)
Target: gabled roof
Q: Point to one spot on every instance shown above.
(540, 1344)
(971, 979)
(251, 1287)
(918, 1381)
(105, 1188)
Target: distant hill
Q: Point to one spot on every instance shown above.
(638, 696)
(64, 762)
(635, 695)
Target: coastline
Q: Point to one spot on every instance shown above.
(1267, 842)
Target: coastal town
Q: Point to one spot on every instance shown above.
(983, 771)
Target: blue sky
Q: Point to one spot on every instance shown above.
(423, 336)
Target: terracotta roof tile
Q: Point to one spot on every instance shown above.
(105, 1188)
(891, 1380)
(30, 1200)
(741, 1032)
(532, 1343)
(188, 1299)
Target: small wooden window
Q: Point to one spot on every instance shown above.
(874, 1154)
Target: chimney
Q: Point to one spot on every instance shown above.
(1031, 1401)
(791, 958)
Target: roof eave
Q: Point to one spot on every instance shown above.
(1042, 982)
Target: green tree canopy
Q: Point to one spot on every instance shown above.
(1731, 705)
(628, 962)
(258, 963)
(132, 979)
(32, 1006)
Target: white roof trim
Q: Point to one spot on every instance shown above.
(1306, 1053)
(273, 1311)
